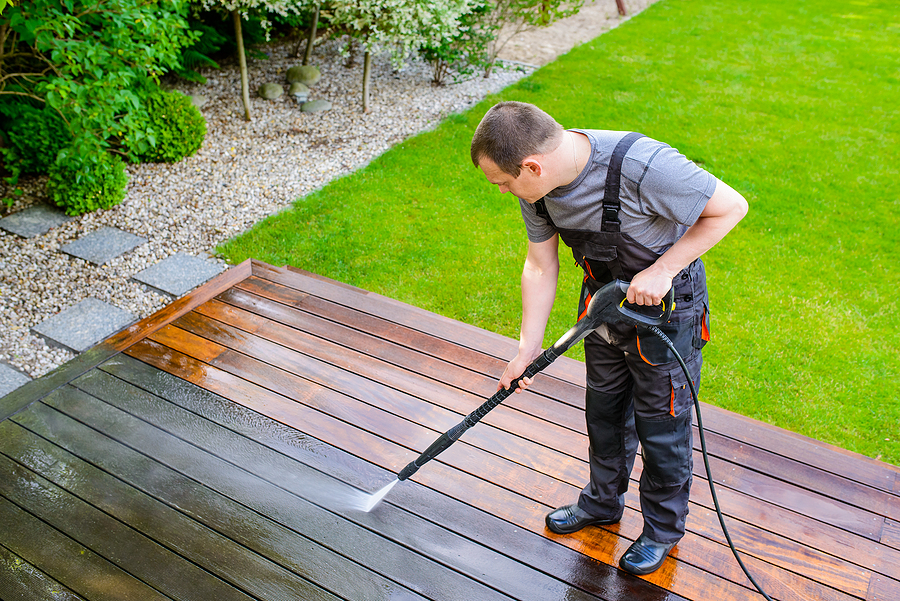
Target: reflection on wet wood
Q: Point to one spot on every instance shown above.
(221, 449)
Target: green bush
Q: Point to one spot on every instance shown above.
(86, 179)
(33, 137)
(173, 128)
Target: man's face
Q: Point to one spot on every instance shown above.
(526, 186)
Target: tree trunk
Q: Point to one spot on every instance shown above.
(620, 4)
(367, 67)
(242, 59)
(312, 37)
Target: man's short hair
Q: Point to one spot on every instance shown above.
(511, 131)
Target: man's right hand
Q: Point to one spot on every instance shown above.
(514, 369)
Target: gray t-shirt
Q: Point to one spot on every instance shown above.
(662, 193)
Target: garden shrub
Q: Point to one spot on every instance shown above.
(33, 137)
(86, 179)
(174, 128)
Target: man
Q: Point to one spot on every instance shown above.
(634, 209)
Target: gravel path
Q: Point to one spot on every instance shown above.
(243, 173)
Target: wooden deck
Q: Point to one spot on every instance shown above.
(216, 449)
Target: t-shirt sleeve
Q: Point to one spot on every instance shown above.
(674, 187)
(537, 227)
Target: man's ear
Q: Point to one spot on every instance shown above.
(532, 165)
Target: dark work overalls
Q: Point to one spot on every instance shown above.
(635, 387)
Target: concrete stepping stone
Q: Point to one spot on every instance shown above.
(34, 221)
(177, 274)
(10, 379)
(83, 325)
(103, 245)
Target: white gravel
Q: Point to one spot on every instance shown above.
(244, 172)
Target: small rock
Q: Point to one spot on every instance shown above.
(198, 100)
(299, 89)
(270, 91)
(314, 106)
(305, 74)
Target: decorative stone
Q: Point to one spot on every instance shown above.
(83, 325)
(178, 274)
(198, 100)
(305, 74)
(270, 91)
(314, 106)
(102, 245)
(10, 379)
(34, 221)
(299, 89)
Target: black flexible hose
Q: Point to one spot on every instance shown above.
(712, 489)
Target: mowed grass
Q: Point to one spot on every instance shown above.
(794, 104)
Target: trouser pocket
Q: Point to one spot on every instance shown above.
(666, 448)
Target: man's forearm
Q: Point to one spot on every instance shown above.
(538, 295)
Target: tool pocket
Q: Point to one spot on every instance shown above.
(680, 398)
(654, 351)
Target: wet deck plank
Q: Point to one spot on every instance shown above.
(216, 450)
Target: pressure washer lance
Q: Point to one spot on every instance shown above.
(606, 306)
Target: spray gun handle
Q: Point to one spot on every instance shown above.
(668, 305)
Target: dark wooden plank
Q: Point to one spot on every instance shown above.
(375, 381)
(844, 463)
(266, 484)
(380, 416)
(793, 472)
(307, 451)
(799, 473)
(890, 536)
(21, 581)
(65, 560)
(34, 390)
(482, 493)
(829, 458)
(256, 309)
(457, 332)
(883, 589)
(127, 547)
(524, 546)
(340, 323)
(234, 541)
(246, 343)
(770, 550)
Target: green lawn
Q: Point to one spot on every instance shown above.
(795, 104)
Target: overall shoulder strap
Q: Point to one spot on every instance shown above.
(611, 204)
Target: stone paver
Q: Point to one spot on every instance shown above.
(83, 325)
(102, 245)
(34, 221)
(177, 274)
(10, 379)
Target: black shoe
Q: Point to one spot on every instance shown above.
(645, 556)
(572, 518)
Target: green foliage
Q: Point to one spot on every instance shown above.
(173, 126)
(199, 54)
(85, 178)
(85, 59)
(33, 137)
(464, 50)
(797, 113)
(401, 26)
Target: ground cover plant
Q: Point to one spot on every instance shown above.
(793, 104)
